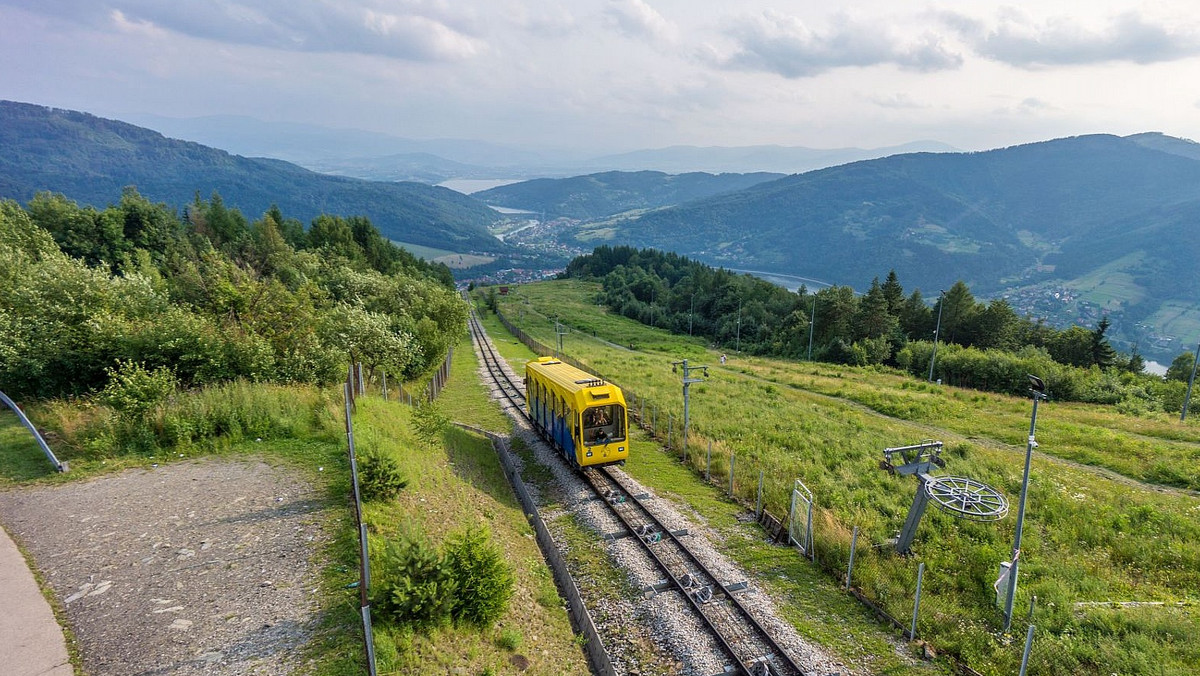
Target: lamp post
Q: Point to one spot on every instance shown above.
(1187, 399)
(687, 382)
(559, 331)
(737, 345)
(936, 331)
(812, 323)
(1038, 390)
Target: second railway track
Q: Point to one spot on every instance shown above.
(747, 646)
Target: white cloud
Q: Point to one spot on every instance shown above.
(784, 44)
(898, 101)
(637, 19)
(1018, 40)
(409, 29)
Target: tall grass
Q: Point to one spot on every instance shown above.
(225, 414)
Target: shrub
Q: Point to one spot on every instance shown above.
(133, 390)
(510, 639)
(379, 475)
(428, 422)
(415, 586)
(484, 581)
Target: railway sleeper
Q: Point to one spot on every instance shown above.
(622, 534)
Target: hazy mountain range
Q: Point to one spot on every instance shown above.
(383, 157)
(1067, 229)
(90, 159)
(1070, 228)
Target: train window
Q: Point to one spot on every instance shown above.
(603, 424)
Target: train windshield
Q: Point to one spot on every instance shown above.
(603, 424)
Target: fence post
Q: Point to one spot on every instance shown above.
(642, 412)
(853, 546)
(670, 421)
(912, 634)
(708, 464)
(654, 421)
(758, 504)
(732, 457)
(1032, 603)
(791, 515)
(1028, 645)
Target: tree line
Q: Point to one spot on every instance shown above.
(982, 345)
(205, 295)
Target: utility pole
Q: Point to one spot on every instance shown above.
(937, 330)
(559, 331)
(737, 345)
(811, 324)
(687, 382)
(1038, 390)
(1187, 399)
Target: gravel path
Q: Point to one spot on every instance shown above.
(203, 567)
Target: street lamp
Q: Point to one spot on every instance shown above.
(936, 331)
(687, 382)
(1187, 399)
(1038, 389)
(811, 323)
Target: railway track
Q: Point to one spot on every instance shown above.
(748, 647)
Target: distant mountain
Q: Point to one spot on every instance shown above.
(306, 144)
(604, 194)
(90, 159)
(1115, 219)
(377, 156)
(778, 159)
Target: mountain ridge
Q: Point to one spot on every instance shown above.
(90, 159)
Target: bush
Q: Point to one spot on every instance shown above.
(428, 422)
(379, 475)
(414, 586)
(133, 390)
(484, 581)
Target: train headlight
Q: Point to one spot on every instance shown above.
(620, 449)
(589, 454)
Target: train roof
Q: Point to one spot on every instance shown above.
(565, 375)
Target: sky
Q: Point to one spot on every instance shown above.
(609, 76)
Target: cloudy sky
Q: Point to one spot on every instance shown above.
(614, 75)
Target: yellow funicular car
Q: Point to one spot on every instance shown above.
(583, 416)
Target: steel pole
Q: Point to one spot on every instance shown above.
(937, 330)
(686, 384)
(812, 323)
(1012, 571)
(1187, 399)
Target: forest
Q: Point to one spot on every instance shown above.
(145, 296)
(982, 345)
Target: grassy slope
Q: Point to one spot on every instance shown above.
(806, 597)
(1088, 537)
(451, 487)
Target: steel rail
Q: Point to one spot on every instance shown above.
(513, 392)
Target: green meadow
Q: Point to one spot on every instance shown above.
(1112, 512)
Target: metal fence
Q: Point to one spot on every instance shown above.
(37, 436)
(396, 390)
(353, 388)
(884, 582)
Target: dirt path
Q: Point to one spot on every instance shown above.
(207, 567)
